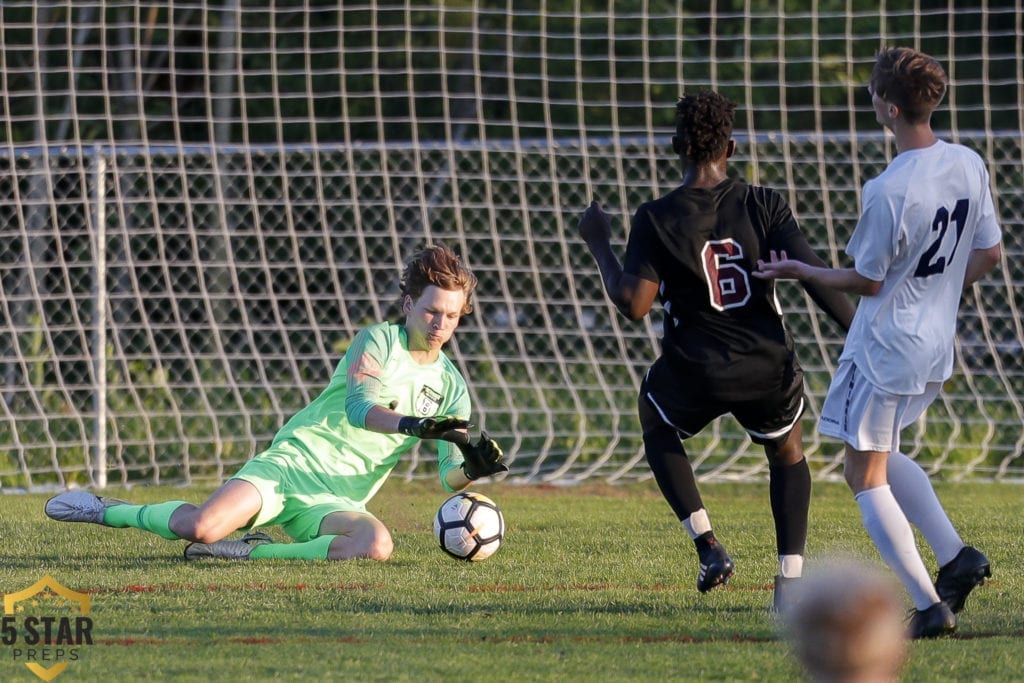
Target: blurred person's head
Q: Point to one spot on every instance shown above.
(846, 624)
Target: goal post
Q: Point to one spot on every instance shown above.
(202, 203)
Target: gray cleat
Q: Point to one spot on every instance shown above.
(235, 549)
(79, 506)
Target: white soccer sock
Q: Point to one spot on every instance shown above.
(697, 524)
(791, 566)
(915, 494)
(891, 532)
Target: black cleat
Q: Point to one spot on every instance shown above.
(935, 622)
(716, 567)
(785, 589)
(958, 577)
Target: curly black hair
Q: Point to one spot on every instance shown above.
(704, 123)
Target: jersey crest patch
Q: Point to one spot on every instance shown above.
(428, 402)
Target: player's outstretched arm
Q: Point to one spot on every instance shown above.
(440, 427)
(836, 304)
(781, 267)
(632, 296)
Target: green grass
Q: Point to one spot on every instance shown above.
(592, 583)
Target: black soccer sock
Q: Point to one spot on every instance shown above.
(790, 492)
(672, 470)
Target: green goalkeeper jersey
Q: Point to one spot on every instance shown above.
(377, 369)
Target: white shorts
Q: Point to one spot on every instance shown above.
(866, 417)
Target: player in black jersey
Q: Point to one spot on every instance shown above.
(725, 348)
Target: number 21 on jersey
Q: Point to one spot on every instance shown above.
(931, 263)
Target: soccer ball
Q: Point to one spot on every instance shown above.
(469, 526)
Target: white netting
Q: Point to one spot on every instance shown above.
(201, 204)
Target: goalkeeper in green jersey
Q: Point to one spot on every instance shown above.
(393, 387)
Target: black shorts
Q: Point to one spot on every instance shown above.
(689, 407)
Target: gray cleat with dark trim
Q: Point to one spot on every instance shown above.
(79, 506)
(227, 549)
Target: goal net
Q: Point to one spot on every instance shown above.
(202, 202)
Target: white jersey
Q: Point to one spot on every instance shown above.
(921, 218)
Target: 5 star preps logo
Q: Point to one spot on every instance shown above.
(46, 626)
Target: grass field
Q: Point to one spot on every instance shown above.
(594, 583)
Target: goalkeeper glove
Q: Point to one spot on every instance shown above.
(444, 427)
(482, 459)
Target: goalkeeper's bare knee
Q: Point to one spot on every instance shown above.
(376, 547)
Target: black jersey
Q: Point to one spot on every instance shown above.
(723, 328)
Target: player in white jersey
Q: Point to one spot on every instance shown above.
(928, 229)
(929, 207)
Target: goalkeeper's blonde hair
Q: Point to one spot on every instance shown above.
(438, 265)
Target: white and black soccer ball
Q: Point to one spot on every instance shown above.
(469, 526)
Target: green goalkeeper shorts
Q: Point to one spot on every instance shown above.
(294, 498)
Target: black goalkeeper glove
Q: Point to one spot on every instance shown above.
(443, 427)
(482, 459)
